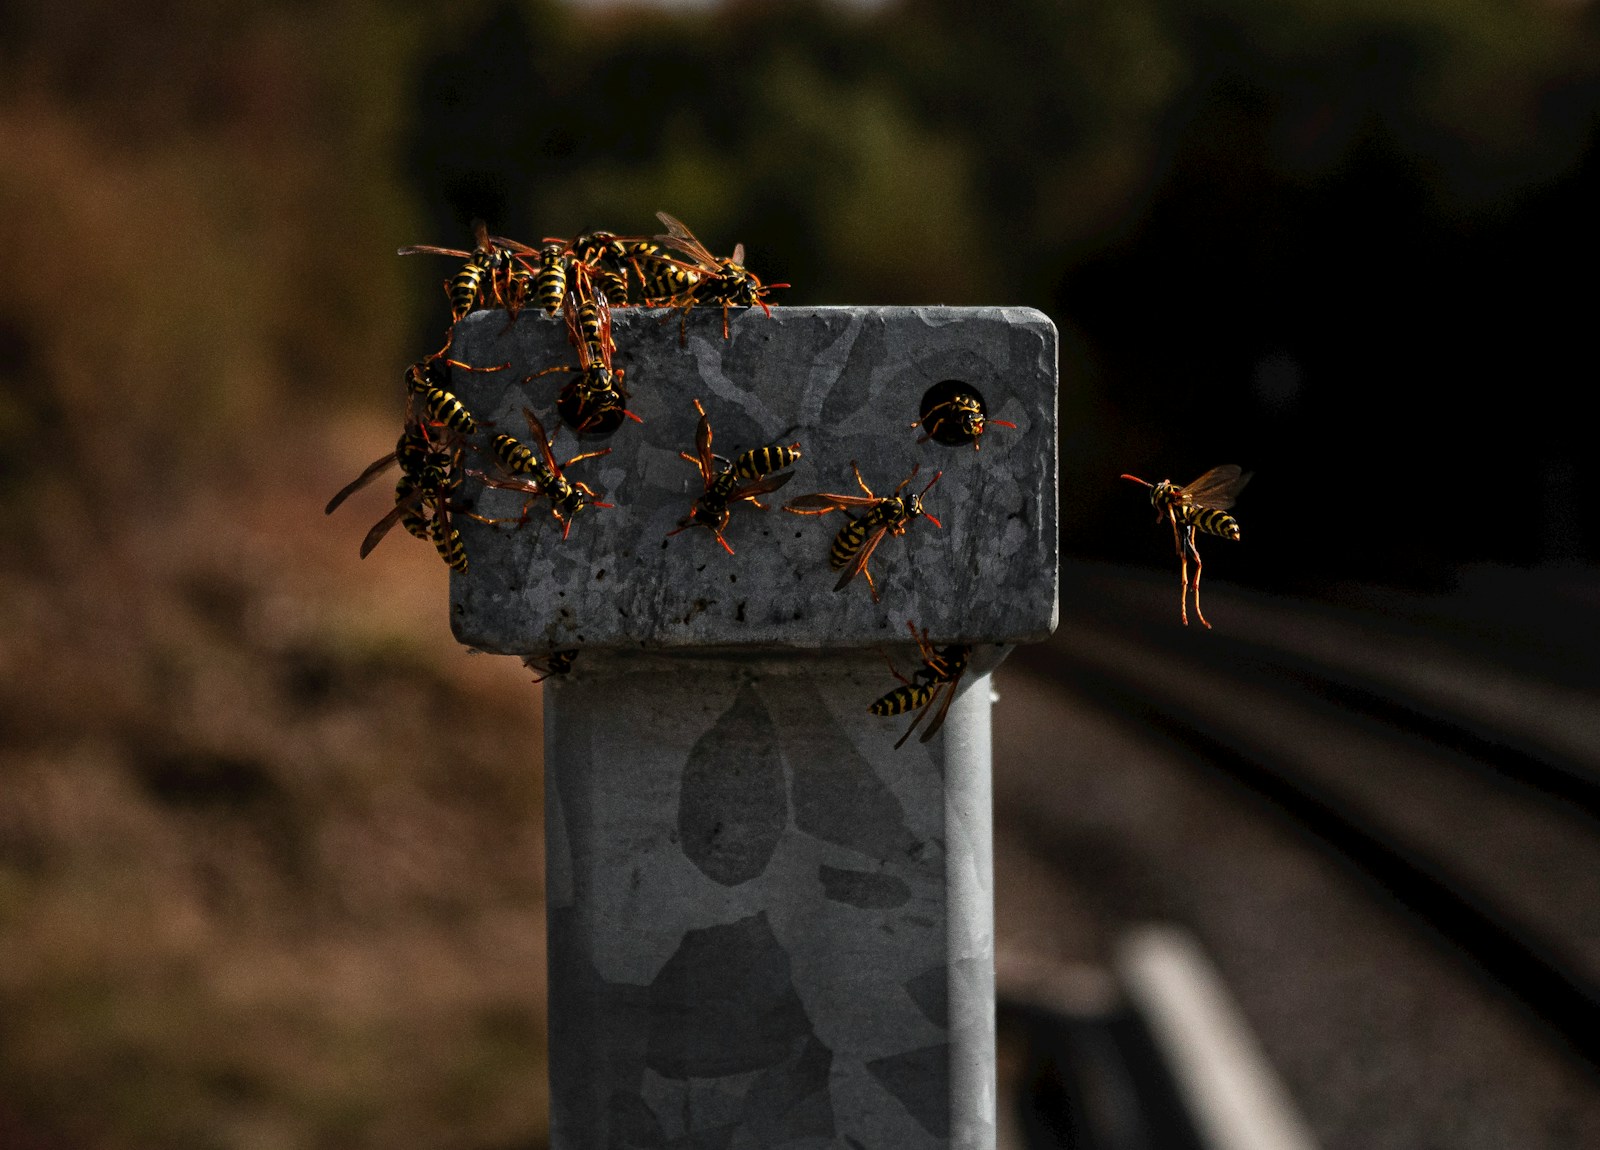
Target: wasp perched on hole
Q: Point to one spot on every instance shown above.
(548, 479)
(489, 278)
(757, 467)
(595, 402)
(716, 281)
(941, 671)
(857, 539)
(555, 663)
(957, 421)
(1199, 506)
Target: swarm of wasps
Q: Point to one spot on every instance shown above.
(582, 279)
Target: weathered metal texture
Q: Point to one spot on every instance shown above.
(768, 928)
(844, 382)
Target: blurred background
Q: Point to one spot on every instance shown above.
(270, 842)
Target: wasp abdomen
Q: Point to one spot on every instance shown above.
(448, 541)
(761, 461)
(442, 407)
(903, 699)
(1210, 521)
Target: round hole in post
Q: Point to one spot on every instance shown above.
(953, 413)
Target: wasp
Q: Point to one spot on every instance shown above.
(423, 505)
(551, 282)
(547, 478)
(857, 539)
(941, 671)
(1199, 506)
(425, 389)
(555, 663)
(489, 278)
(595, 402)
(716, 281)
(957, 421)
(760, 468)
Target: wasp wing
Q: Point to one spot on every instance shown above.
(406, 506)
(950, 693)
(511, 245)
(544, 441)
(761, 486)
(684, 240)
(922, 713)
(430, 250)
(823, 502)
(374, 469)
(858, 564)
(1216, 489)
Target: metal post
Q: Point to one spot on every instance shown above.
(768, 927)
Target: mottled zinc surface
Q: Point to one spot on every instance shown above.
(768, 928)
(844, 382)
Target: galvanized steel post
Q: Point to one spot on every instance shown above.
(767, 926)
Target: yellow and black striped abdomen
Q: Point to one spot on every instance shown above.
(465, 288)
(414, 521)
(765, 460)
(903, 699)
(520, 460)
(552, 283)
(448, 542)
(849, 540)
(1208, 521)
(442, 407)
(661, 281)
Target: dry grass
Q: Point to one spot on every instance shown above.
(270, 842)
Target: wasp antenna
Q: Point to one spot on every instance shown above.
(724, 543)
(934, 520)
(1136, 479)
(931, 482)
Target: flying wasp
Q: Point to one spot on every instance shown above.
(941, 671)
(489, 278)
(1199, 506)
(719, 281)
(594, 403)
(760, 468)
(857, 539)
(957, 421)
(547, 478)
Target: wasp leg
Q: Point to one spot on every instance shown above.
(1194, 553)
(892, 669)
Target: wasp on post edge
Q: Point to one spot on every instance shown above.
(548, 478)
(594, 403)
(857, 539)
(489, 277)
(716, 281)
(722, 488)
(555, 663)
(423, 503)
(958, 421)
(428, 452)
(941, 671)
(425, 388)
(1198, 506)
